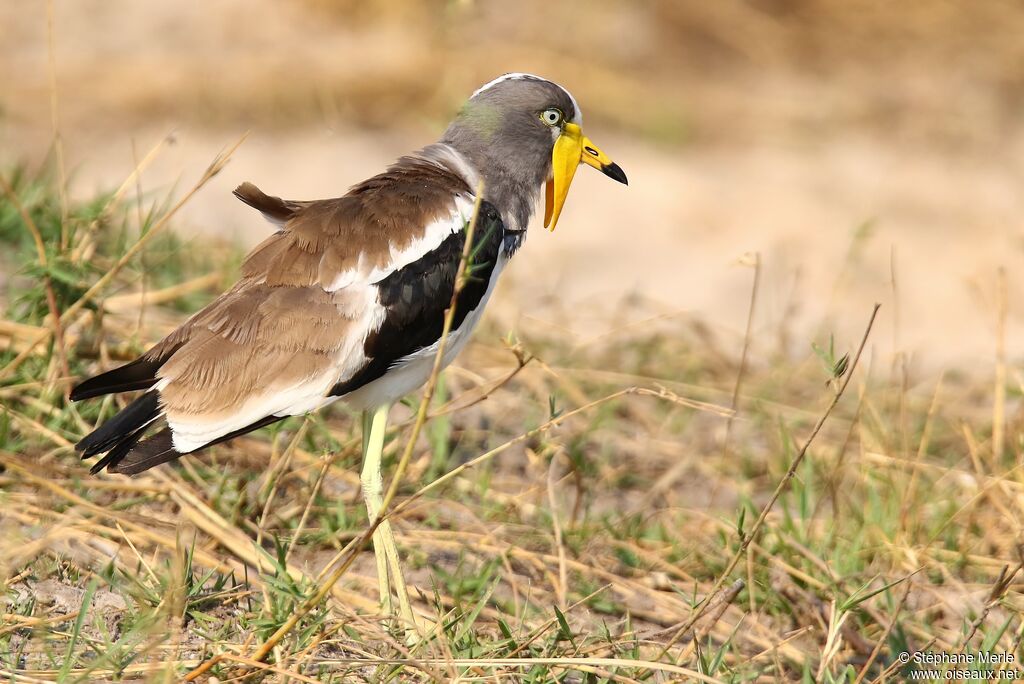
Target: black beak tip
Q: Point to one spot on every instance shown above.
(615, 172)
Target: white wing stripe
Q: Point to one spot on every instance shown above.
(433, 235)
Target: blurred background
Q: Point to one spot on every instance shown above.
(866, 150)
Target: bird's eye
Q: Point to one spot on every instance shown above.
(552, 117)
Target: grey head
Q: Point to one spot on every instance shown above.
(507, 131)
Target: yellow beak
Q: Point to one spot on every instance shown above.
(571, 148)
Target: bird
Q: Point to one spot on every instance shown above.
(346, 299)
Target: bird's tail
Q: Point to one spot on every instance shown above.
(122, 433)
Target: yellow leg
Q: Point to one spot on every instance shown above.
(373, 486)
(389, 571)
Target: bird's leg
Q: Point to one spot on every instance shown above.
(373, 487)
(384, 549)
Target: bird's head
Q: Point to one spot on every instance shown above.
(524, 130)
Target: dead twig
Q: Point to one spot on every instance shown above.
(717, 607)
(999, 588)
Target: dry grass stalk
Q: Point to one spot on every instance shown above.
(135, 300)
(999, 388)
(747, 334)
(51, 299)
(880, 643)
(716, 609)
(797, 460)
(215, 167)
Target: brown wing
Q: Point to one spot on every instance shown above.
(296, 322)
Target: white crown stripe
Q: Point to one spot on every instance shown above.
(514, 76)
(521, 76)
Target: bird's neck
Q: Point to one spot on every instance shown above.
(512, 188)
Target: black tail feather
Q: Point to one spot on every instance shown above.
(131, 420)
(137, 375)
(115, 455)
(129, 454)
(131, 457)
(147, 454)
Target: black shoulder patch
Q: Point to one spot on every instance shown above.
(416, 297)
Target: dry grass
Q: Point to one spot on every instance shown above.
(574, 511)
(644, 506)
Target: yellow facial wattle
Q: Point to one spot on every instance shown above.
(572, 148)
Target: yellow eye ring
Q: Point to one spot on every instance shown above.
(552, 117)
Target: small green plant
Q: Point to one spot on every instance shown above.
(835, 367)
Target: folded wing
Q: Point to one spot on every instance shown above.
(293, 327)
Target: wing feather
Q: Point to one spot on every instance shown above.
(297, 321)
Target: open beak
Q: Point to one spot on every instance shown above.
(571, 148)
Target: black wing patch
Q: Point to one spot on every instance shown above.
(416, 297)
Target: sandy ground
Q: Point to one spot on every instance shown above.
(943, 218)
